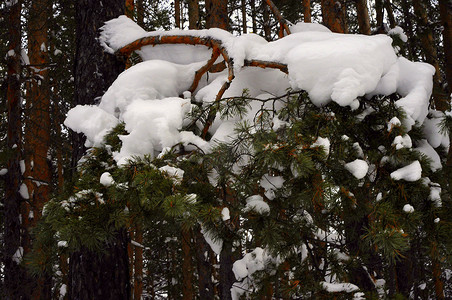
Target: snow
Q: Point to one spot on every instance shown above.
(257, 204)
(303, 27)
(425, 148)
(411, 172)
(106, 179)
(271, 184)
(393, 123)
(398, 31)
(358, 168)
(408, 208)
(18, 255)
(62, 244)
(215, 243)
(324, 143)
(225, 214)
(339, 287)
(402, 142)
(176, 173)
(23, 191)
(3, 172)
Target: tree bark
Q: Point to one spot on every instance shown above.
(379, 10)
(408, 26)
(205, 284)
(15, 285)
(388, 7)
(445, 9)
(363, 16)
(177, 13)
(102, 275)
(129, 8)
(227, 277)
(138, 265)
(193, 14)
(140, 13)
(244, 18)
(306, 10)
(187, 274)
(253, 15)
(217, 14)
(429, 50)
(334, 16)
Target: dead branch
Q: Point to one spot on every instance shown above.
(283, 22)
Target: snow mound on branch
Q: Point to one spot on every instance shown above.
(303, 27)
(358, 168)
(339, 287)
(411, 172)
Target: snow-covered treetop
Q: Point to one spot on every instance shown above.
(329, 66)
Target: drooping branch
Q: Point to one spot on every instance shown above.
(204, 69)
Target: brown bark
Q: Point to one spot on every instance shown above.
(193, 14)
(408, 26)
(333, 15)
(278, 16)
(140, 12)
(138, 265)
(363, 16)
(244, 19)
(388, 7)
(436, 272)
(253, 15)
(306, 10)
(445, 7)
(217, 14)
(429, 50)
(14, 281)
(130, 8)
(266, 19)
(177, 13)
(379, 9)
(187, 273)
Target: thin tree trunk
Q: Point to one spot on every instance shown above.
(379, 10)
(253, 15)
(436, 272)
(306, 10)
(445, 9)
(363, 16)
(177, 13)
(205, 284)
(388, 7)
(140, 13)
(187, 274)
(244, 18)
(408, 26)
(14, 281)
(130, 8)
(193, 14)
(227, 278)
(266, 20)
(333, 15)
(429, 50)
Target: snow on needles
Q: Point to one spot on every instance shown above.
(329, 66)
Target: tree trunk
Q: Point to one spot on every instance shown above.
(388, 6)
(129, 8)
(363, 16)
(217, 12)
(177, 13)
(445, 7)
(253, 15)
(15, 280)
(187, 274)
(306, 10)
(244, 19)
(266, 20)
(140, 13)
(93, 275)
(408, 26)
(193, 14)
(227, 277)
(138, 265)
(333, 15)
(205, 284)
(379, 10)
(429, 50)
(100, 276)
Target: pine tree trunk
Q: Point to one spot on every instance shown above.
(187, 274)
(101, 276)
(266, 20)
(227, 277)
(205, 284)
(333, 15)
(93, 275)
(193, 14)
(445, 7)
(429, 50)
(408, 26)
(129, 8)
(138, 266)
(217, 11)
(306, 10)
(244, 18)
(436, 272)
(15, 280)
(253, 15)
(140, 13)
(177, 13)
(363, 16)
(379, 10)
(388, 6)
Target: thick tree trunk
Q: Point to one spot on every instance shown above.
(193, 14)
(187, 273)
(429, 50)
(93, 275)
(333, 15)
(130, 8)
(227, 277)
(445, 7)
(217, 14)
(15, 285)
(379, 10)
(103, 275)
(205, 284)
(306, 10)
(363, 16)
